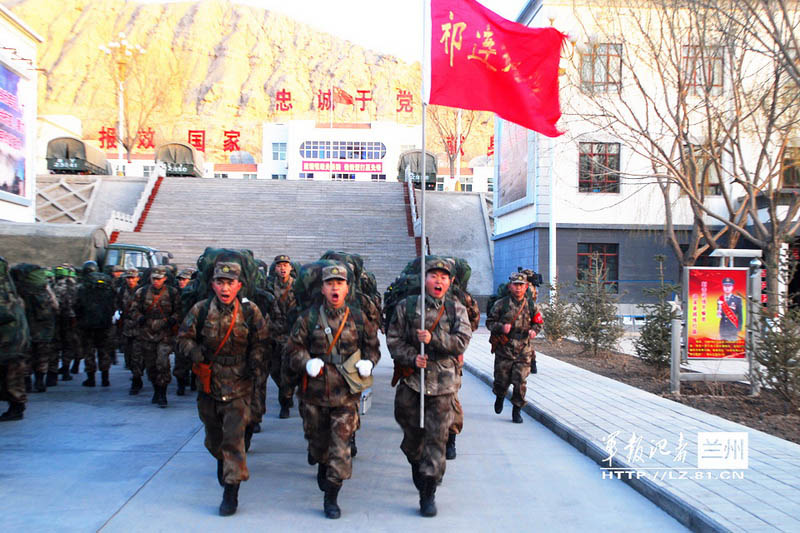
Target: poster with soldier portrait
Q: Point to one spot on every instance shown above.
(12, 134)
(716, 300)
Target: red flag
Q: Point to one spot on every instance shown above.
(342, 97)
(482, 61)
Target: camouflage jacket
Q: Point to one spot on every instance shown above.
(519, 345)
(156, 321)
(240, 360)
(41, 311)
(285, 301)
(14, 333)
(124, 304)
(66, 294)
(309, 340)
(448, 340)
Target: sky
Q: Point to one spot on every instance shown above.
(387, 26)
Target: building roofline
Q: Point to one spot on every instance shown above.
(15, 21)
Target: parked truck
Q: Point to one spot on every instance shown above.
(53, 244)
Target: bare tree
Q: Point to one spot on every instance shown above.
(445, 122)
(707, 110)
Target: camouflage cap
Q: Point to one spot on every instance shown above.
(437, 263)
(227, 270)
(131, 273)
(334, 272)
(518, 277)
(185, 274)
(281, 259)
(117, 268)
(158, 272)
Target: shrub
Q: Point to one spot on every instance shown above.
(594, 321)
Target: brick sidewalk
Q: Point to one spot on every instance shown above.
(586, 409)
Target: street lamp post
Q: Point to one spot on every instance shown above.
(121, 52)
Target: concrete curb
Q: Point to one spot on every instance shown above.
(679, 508)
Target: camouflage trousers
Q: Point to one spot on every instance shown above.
(153, 357)
(225, 423)
(40, 355)
(96, 350)
(328, 431)
(285, 391)
(425, 446)
(67, 339)
(258, 404)
(458, 418)
(12, 381)
(127, 349)
(514, 372)
(183, 366)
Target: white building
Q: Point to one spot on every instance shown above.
(18, 90)
(305, 149)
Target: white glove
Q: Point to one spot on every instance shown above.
(116, 317)
(364, 368)
(314, 367)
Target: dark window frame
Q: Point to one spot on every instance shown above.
(606, 253)
(598, 176)
(601, 68)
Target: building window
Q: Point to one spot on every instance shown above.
(279, 176)
(306, 175)
(598, 167)
(378, 177)
(601, 68)
(342, 150)
(703, 67)
(466, 183)
(220, 175)
(343, 177)
(790, 167)
(490, 184)
(249, 176)
(149, 170)
(701, 169)
(279, 151)
(608, 257)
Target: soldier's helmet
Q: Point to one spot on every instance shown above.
(89, 267)
(117, 268)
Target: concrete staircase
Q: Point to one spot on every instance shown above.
(302, 219)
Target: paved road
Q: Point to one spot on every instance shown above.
(85, 460)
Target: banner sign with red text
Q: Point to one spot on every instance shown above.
(716, 302)
(342, 166)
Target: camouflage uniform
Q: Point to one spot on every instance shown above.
(183, 366)
(328, 407)
(225, 409)
(512, 360)
(156, 314)
(425, 448)
(41, 310)
(285, 301)
(67, 340)
(95, 309)
(14, 341)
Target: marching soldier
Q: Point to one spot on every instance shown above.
(182, 370)
(156, 310)
(513, 322)
(446, 333)
(14, 341)
(95, 309)
(66, 292)
(125, 299)
(285, 301)
(335, 349)
(225, 339)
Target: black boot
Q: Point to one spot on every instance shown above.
(450, 452)
(65, 375)
(230, 499)
(257, 427)
(162, 396)
(89, 381)
(14, 412)
(192, 382)
(498, 404)
(28, 384)
(533, 367)
(329, 504)
(40, 385)
(136, 386)
(248, 436)
(311, 460)
(181, 387)
(427, 496)
(416, 477)
(76, 366)
(284, 408)
(516, 417)
(104, 375)
(322, 471)
(219, 472)
(353, 447)
(52, 379)
(156, 395)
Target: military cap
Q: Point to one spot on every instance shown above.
(227, 270)
(727, 281)
(437, 263)
(334, 272)
(117, 268)
(158, 272)
(518, 277)
(131, 273)
(282, 259)
(185, 273)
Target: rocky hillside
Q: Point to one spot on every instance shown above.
(210, 65)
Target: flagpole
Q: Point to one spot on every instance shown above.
(422, 182)
(330, 133)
